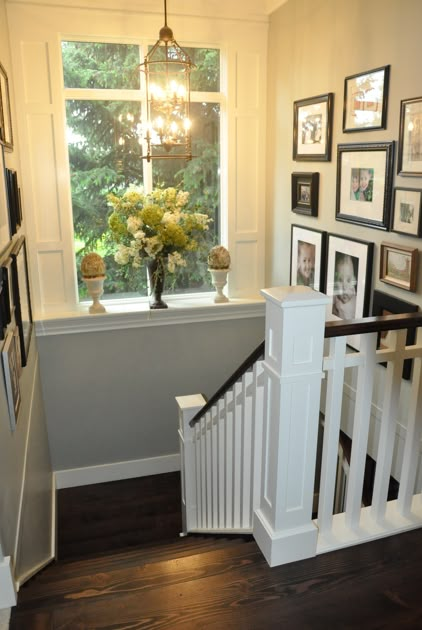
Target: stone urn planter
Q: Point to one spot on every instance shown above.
(93, 274)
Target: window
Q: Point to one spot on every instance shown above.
(104, 108)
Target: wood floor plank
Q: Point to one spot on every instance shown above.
(214, 585)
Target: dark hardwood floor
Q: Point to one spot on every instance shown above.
(122, 566)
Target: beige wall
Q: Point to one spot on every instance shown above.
(313, 46)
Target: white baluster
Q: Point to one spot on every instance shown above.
(413, 439)
(257, 423)
(360, 429)
(221, 446)
(229, 457)
(335, 380)
(237, 455)
(392, 385)
(247, 468)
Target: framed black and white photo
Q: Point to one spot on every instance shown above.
(21, 295)
(349, 277)
(6, 275)
(410, 138)
(384, 304)
(4, 211)
(6, 135)
(312, 128)
(364, 183)
(407, 211)
(307, 257)
(398, 266)
(305, 189)
(365, 100)
(11, 378)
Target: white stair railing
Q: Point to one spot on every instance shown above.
(249, 457)
(221, 456)
(359, 524)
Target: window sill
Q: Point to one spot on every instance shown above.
(136, 314)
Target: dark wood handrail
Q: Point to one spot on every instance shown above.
(247, 363)
(338, 328)
(342, 327)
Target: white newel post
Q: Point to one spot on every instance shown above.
(188, 408)
(294, 341)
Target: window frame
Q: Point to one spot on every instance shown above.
(107, 94)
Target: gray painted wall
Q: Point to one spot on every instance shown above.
(110, 396)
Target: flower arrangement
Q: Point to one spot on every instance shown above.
(156, 225)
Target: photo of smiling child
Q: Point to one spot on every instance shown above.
(345, 283)
(362, 184)
(305, 264)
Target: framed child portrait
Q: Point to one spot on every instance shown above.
(384, 304)
(365, 100)
(348, 279)
(307, 257)
(305, 189)
(22, 296)
(364, 183)
(407, 212)
(312, 128)
(410, 138)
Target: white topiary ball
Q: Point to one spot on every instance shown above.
(92, 266)
(218, 258)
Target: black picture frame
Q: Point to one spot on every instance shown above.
(348, 279)
(312, 128)
(10, 361)
(364, 183)
(409, 162)
(407, 211)
(314, 242)
(305, 191)
(384, 304)
(13, 200)
(4, 211)
(366, 100)
(6, 133)
(22, 296)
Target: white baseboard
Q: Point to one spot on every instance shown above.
(114, 472)
(7, 584)
(4, 618)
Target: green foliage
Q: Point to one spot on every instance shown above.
(105, 156)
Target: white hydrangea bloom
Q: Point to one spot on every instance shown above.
(139, 235)
(171, 217)
(133, 224)
(122, 255)
(153, 245)
(174, 260)
(182, 198)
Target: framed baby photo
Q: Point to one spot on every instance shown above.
(383, 304)
(348, 279)
(305, 189)
(407, 208)
(365, 100)
(312, 128)
(364, 183)
(410, 138)
(398, 266)
(307, 257)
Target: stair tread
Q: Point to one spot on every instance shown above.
(135, 572)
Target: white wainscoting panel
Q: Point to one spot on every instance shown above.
(36, 77)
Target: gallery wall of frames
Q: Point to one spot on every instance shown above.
(15, 299)
(342, 266)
